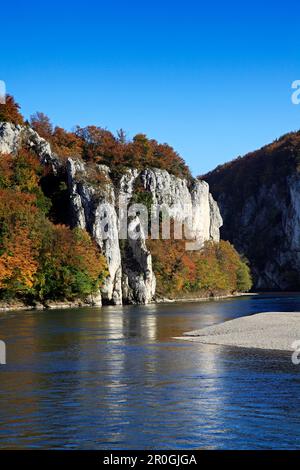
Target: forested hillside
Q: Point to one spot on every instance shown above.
(40, 260)
(44, 256)
(258, 196)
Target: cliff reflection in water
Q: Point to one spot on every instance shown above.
(116, 378)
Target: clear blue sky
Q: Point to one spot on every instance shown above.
(213, 79)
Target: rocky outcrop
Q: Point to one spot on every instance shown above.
(98, 209)
(12, 137)
(99, 204)
(94, 209)
(185, 199)
(138, 279)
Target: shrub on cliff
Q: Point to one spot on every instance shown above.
(19, 242)
(10, 111)
(41, 123)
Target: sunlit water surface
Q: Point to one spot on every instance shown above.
(114, 378)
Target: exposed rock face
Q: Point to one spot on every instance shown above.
(259, 200)
(179, 196)
(138, 279)
(129, 261)
(12, 137)
(94, 208)
(262, 233)
(99, 205)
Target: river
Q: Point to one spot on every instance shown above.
(114, 378)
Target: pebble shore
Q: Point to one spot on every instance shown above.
(269, 330)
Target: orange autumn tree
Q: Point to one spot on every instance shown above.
(40, 260)
(101, 146)
(10, 111)
(217, 268)
(96, 144)
(19, 241)
(41, 123)
(22, 173)
(70, 264)
(18, 262)
(66, 144)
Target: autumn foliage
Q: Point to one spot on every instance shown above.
(215, 269)
(70, 265)
(18, 243)
(244, 176)
(97, 145)
(10, 111)
(40, 260)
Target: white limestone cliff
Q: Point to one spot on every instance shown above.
(12, 137)
(129, 261)
(95, 206)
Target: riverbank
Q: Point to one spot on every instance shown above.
(269, 330)
(204, 299)
(52, 305)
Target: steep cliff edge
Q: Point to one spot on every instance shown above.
(94, 199)
(129, 261)
(259, 200)
(12, 137)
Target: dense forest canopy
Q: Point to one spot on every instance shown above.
(99, 145)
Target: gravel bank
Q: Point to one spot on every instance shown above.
(270, 330)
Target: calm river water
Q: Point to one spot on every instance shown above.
(114, 378)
